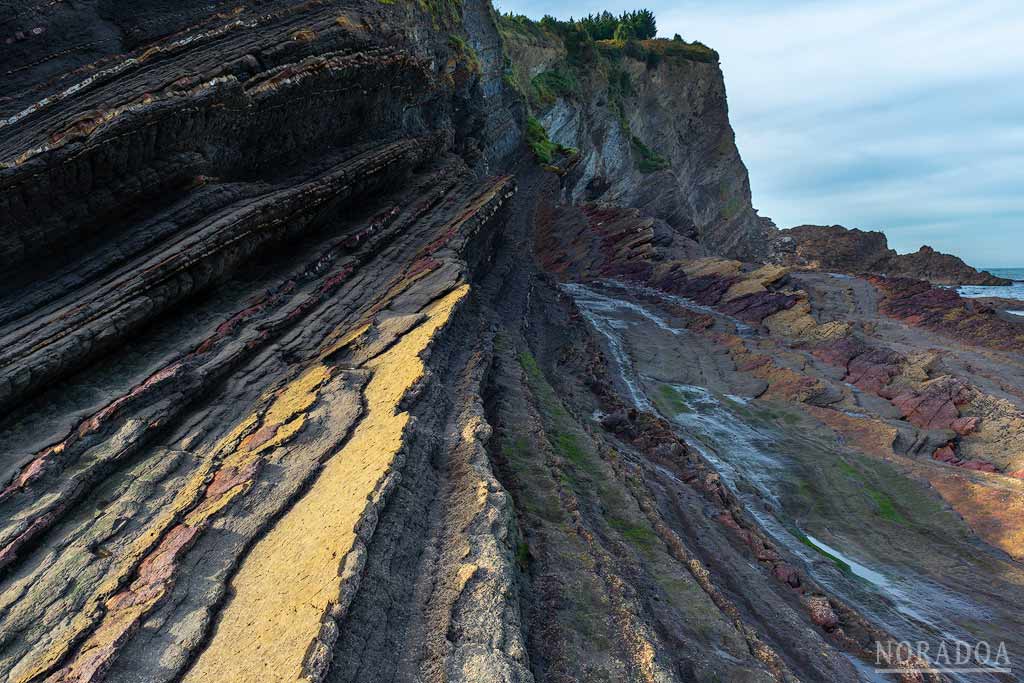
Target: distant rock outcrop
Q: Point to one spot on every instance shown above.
(838, 249)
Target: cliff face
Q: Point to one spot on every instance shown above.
(294, 383)
(650, 122)
(174, 163)
(237, 243)
(838, 249)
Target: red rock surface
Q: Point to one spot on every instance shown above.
(868, 367)
(943, 310)
(756, 307)
(936, 405)
(822, 613)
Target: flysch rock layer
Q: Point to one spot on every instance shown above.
(295, 385)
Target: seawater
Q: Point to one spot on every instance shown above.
(1014, 291)
(1009, 273)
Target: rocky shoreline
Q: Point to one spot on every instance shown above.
(314, 369)
(854, 252)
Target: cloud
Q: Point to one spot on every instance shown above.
(902, 115)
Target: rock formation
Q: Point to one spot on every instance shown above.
(841, 250)
(651, 124)
(300, 379)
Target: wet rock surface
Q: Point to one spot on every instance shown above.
(843, 343)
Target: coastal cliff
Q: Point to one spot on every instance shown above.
(650, 122)
(405, 341)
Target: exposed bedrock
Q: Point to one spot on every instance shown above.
(941, 374)
(287, 393)
(651, 131)
(648, 124)
(159, 174)
(233, 250)
(841, 250)
(299, 378)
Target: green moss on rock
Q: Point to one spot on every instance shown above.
(543, 148)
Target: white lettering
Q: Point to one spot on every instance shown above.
(963, 653)
(1002, 658)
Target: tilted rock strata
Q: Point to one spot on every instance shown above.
(288, 394)
(600, 243)
(942, 310)
(299, 411)
(175, 170)
(677, 110)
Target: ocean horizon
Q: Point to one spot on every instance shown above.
(1016, 274)
(1012, 291)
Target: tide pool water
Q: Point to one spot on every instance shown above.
(1014, 291)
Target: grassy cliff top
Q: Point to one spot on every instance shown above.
(655, 48)
(577, 38)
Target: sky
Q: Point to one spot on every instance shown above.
(905, 116)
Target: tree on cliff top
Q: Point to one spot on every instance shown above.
(639, 24)
(600, 26)
(642, 23)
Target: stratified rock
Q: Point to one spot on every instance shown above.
(591, 241)
(943, 310)
(287, 396)
(661, 143)
(756, 307)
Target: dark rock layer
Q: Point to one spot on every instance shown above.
(289, 389)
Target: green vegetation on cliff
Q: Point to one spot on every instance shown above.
(604, 26)
(464, 52)
(550, 85)
(649, 161)
(543, 148)
(632, 34)
(653, 51)
(442, 12)
(556, 59)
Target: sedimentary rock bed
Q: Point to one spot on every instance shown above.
(233, 249)
(309, 371)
